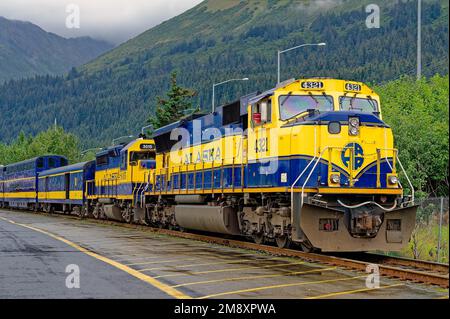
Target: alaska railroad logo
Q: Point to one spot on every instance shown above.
(358, 156)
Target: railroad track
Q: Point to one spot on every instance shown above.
(394, 267)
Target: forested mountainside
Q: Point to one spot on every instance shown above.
(27, 50)
(217, 40)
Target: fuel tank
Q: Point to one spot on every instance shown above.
(214, 219)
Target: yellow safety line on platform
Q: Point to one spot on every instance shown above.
(161, 261)
(150, 280)
(231, 261)
(348, 292)
(254, 277)
(200, 254)
(278, 286)
(230, 269)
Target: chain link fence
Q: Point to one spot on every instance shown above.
(430, 238)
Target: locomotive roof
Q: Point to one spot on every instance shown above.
(116, 149)
(208, 119)
(66, 169)
(34, 159)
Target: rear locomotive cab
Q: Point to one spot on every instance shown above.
(325, 141)
(121, 177)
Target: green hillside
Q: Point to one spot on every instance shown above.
(217, 40)
(26, 50)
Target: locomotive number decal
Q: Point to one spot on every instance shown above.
(358, 155)
(352, 87)
(261, 145)
(147, 146)
(312, 85)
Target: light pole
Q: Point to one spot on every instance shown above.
(419, 39)
(290, 49)
(90, 149)
(119, 138)
(217, 84)
(145, 127)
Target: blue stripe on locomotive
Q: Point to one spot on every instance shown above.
(254, 178)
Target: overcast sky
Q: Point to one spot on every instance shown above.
(112, 20)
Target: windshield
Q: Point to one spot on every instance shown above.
(139, 156)
(293, 105)
(360, 104)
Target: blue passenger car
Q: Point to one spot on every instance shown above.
(20, 180)
(64, 188)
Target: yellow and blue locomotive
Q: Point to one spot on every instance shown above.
(310, 161)
(121, 173)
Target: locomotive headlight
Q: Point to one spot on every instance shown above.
(354, 122)
(335, 178)
(353, 131)
(353, 126)
(393, 180)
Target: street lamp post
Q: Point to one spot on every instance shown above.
(145, 127)
(217, 84)
(119, 138)
(290, 49)
(90, 149)
(419, 39)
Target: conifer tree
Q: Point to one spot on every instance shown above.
(175, 106)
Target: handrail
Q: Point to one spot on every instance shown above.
(310, 173)
(142, 192)
(301, 174)
(407, 178)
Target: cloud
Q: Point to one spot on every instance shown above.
(112, 20)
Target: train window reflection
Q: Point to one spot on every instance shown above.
(140, 156)
(348, 103)
(293, 105)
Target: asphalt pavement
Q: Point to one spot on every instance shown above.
(34, 265)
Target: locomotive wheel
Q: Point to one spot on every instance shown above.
(127, 215)
(260, 239)
(306, 246)
(283, 241)
(96, 213)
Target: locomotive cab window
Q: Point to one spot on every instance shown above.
(102, 160)
(292, 106)
(348, 103)
(123, 160)
(262, 112)
(141, 156)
